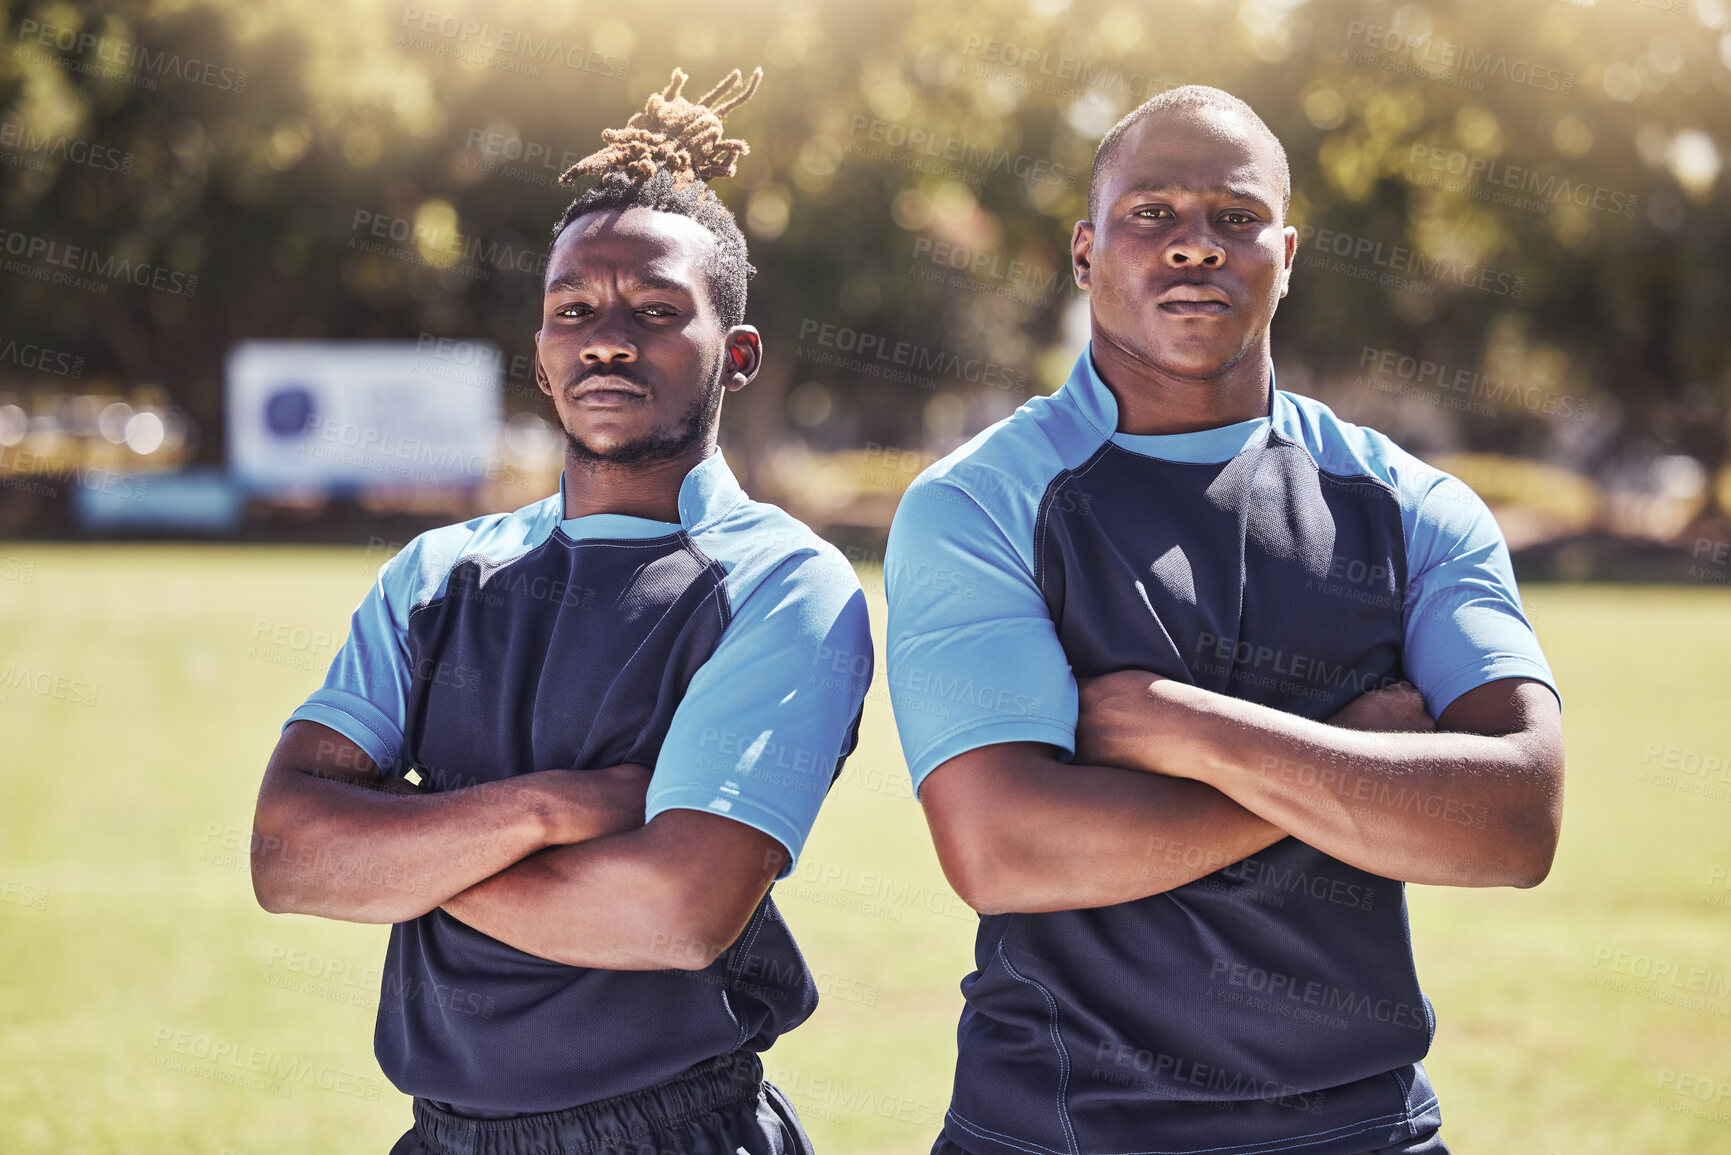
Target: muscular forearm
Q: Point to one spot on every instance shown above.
(1016, 830)
(333, 837)
(1452, 808)
(674, 893)
(583, 905)
(344, 850)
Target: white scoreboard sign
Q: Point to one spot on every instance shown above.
(349, 416)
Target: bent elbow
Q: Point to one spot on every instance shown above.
(1532, 854)
(689, 936)
(989, 904)
(982, 891)
(269, 901)
(979, 878)
(1534, 866)
(267, 885)
(699, 955)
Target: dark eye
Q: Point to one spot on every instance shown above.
(1148, 209)
(1239, 217)
(659, 310)
(567, 310)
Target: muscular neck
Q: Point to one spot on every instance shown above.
(1155, 400)
(647, 489)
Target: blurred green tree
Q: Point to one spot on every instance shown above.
(1532, 192)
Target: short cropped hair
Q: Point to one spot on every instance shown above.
(1186, 98)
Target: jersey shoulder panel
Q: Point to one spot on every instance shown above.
(1348, 450)
(750, 540)
(418, 573)
(1006, 469)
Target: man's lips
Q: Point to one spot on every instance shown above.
(1194, 301)
(605, 389)
(1195, 308)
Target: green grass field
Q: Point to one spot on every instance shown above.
(142, 688)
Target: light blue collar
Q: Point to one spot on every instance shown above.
(1097, 404)
(708, 491)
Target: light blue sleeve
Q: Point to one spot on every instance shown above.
(762, 730)
(366, 690)
(1463, 620)
(973, 656)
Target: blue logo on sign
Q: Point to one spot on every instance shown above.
(290, 411)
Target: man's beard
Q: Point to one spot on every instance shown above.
(660, 445)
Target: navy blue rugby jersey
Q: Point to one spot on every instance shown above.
(707, 649)
(1294, 560)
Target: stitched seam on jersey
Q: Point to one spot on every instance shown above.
(1369, 478)
(485, 561)
(1360, 480)
(1040, 530)
(635, 542)
(1249, 443)
(719, 571)
(998, 953)
(648, 543)
(1051, 724)
(1042, 514)
(1074, 401)
(409, 622)
(1363, 479)
(740, 497)
(1474, 672)
(362, 722)
(1375, 482)
(720, 585)
(630, 543)
(445, 586)
(988, 1133)
(1405, 1102)
(757, 920)
(1057, 1040)
(1309, 1139)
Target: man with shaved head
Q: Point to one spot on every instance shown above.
(1211, 674)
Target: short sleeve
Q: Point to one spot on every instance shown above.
(365, 692)
(973, 656)
(768, 719)
(1463, 621)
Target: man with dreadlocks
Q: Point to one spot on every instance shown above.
(624, 704)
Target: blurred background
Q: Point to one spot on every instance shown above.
(269, 276)
(1514, 244)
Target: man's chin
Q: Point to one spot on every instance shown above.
(1182, 355)
(619, 451)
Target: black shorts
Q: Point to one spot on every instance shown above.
(720, 1107)
(1430, 1143)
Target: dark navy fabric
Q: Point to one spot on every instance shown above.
(530, 683)
(1429, 1143)
(722, 1106)
(705, 649)
(1292, 560)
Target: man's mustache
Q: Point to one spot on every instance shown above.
(617, 371)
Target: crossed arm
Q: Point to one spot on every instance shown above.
(558, 863)
(1171, 782)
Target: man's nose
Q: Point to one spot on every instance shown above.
(607, 341)
(1197, 249)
